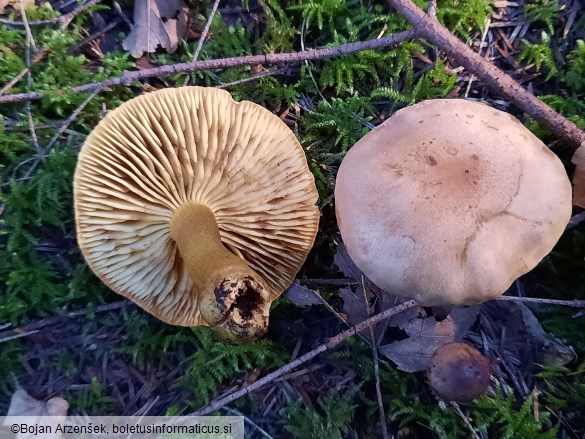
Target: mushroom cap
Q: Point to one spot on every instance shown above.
(157, 151)
(449, 201)
(458, 372)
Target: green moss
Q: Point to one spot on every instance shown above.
(504, 418)
(93, 400)
(215, 362)
(331, 417)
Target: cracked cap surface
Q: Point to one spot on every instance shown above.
(449, 201)
(160, 150)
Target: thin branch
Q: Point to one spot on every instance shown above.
(457, 410)
(432, 8)
(74, 115)
(35, 59)
(308, 65)
(480, 50)
(203, 36)
(34, 327)
(535, 300)
(374, 345)
(252, 78)
(95, 35)
(213, 64)
(62, 20)
(329, 344)
(32, 129)
(123, 15)
(342, 282)
(495, 79)
(30, 42)
(43, 52)
(255, 427)
(16, 335)
(30, 45)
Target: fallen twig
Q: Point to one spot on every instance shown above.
(342, 282)
(95, 35)
(253, 78)
(253, 425)
(374, 345)
(338, 339)
(62, 128)
(271, 58)
(122, 15)
(457, 410)
(34, 327)
(536, 300)
(329, 344)
(62, 20)
(43, 52)
(30, 45)
(203, 35)
(35, 59)
(427, 26)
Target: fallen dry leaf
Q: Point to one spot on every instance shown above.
(14, 4)
(425, 336)
(511, 333)
(302, 296)
(356, 308)
(504, 4)
(464, 318)
(550, 351)
(345, 264)
(157, 22)
(145, 63)
(354, 305)
(579, 178)
(54, 411)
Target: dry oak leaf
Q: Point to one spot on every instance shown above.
(346, 264)
(157, 22)
(28, 410)
(426, 335)
(579, 178)
(14, 4)
(303, 296)
(355, 306)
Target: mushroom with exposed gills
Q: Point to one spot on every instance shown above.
(449, 201)
(198, 208)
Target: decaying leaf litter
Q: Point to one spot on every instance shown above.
(484, 329)
(157, 23)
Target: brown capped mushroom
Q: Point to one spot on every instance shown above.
(458, 372)
(198, 208)
(449, 201)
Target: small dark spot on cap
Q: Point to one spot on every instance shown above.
(467, 171)
(431, 160)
